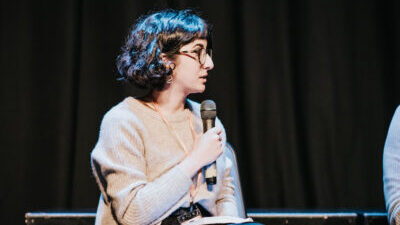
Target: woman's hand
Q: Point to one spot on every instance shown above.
(206, 149)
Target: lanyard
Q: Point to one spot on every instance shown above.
(193, 187)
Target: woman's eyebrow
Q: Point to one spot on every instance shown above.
(200, 45)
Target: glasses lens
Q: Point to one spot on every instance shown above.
(203, 55)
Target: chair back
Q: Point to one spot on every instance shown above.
(236, 181)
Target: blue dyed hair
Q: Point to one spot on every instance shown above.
(160, 32)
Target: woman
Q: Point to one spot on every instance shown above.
(150, 151)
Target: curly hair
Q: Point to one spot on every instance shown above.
(160, 32)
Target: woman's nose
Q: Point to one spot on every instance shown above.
(209, 64)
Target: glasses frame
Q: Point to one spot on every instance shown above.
(198, 52)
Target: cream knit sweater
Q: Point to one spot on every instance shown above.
(136, 165)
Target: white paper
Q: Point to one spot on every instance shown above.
(219, 220)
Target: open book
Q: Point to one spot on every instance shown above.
(217, 220)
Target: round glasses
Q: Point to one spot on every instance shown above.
(201, 54)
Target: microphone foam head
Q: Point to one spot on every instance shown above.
(208, 109)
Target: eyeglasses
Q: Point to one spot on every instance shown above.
(201, 54)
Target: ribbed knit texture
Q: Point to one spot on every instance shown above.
(136, 165)
(391, 169)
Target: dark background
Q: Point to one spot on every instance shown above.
(305, 88)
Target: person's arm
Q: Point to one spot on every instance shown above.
(391, 170)
(226, 203)
(119, 166)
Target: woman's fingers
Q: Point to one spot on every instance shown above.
(215, 130)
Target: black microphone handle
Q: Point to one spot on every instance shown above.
(208, 124)
(211, 169)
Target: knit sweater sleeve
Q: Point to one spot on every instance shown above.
(119, 166)
(226, 203)
(391, 170)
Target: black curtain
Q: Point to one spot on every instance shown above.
(305, 88)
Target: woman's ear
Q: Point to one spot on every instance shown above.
(167, 61)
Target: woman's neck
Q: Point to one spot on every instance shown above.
(169, 101)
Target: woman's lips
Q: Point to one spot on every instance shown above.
(203, 78)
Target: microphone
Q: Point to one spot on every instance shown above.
(208, 111)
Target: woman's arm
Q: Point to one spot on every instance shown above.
(226, 203)
(120, 169)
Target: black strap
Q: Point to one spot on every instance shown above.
(181, 212)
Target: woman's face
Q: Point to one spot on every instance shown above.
(189, 74)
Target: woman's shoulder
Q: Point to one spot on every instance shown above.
(119, 110)
(125, 112)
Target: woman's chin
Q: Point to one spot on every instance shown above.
(198, 90)
(202, 88)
